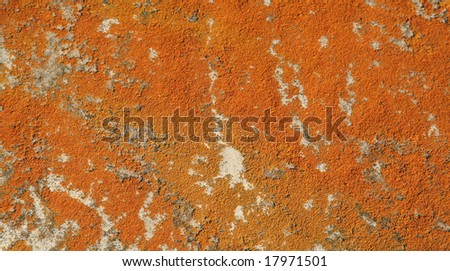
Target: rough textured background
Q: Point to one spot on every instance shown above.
(66, 67)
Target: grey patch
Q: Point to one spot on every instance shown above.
(75, 106)
(194, 17)
(125, 174)
(289, 166)
(46, 78)
(407, 33)
(375, 45)
(420, 10)
(371, 3)
(443, 226)
(7, 171)
(369, 220)
(273, 174)
(183, 214)
(401, 43)
(374, 174)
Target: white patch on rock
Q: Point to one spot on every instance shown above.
(192, 172)
(213, 75)
(330, 199)
(107, 240)
(322, 167)
(443, 226)
(67, 13)
(364, 149)
(107, 24)
(375, 64)
(43, 235)
(259, 247)
(318, 247)
(332, 234)
(357, 28)
(5, 57)
(349, 79)
(239, 214)
(376, 173)
(63, 158)
(264, 204)
(208, 189)
(150, 223)
(401, 43)
(347, 105)
(433, 131)
(375, 45)
(407, 33)
(369, 220)
(309, 204)
(371, 3)
(283, 86)
(152, 54)
(199, 159)
(323, 42)
(232, 165)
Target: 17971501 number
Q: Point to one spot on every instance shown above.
(295, 261)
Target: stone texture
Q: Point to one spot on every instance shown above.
(382, 64)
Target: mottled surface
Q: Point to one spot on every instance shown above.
(382, 64)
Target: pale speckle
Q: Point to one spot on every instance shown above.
(369, 220)
(375, 64)
(53, 182)
(5, 57)
(208, 189)
(332, 234)
(259, 247)
(330, 199)
(357, 28)
(152, 54)
(322, 167)
(239, 214)
(198, 159)
(371, 3)
(107, 24)
(350, 80)
(63, 158)
(347, 105)
(67, 13)
(284, 86)
(150, 223)
(264, 204)
(192, 172)
(309, 204)
(433, 131)
(443, 226)
(364, 149)
(318, 247)
(406, 30)
(323, 42)
(401, 43)
(375, 45)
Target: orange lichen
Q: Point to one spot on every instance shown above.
(382, 64)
